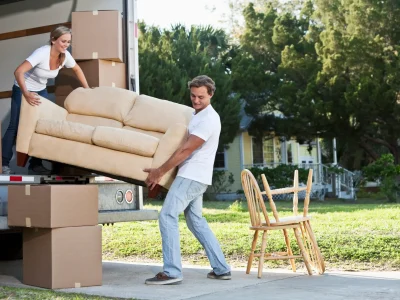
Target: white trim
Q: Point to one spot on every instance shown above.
(298, 153)
(284, 152)
(16, 178)
(251, 149)
(318, 151)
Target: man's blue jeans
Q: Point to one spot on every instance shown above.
(186, 196)
(10, 136)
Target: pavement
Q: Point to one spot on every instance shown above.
(126, 280)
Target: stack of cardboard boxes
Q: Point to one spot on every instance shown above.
(62, 246)
(0, 151)
(98, 48)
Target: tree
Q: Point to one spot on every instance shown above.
(330, 67)
(168, 59)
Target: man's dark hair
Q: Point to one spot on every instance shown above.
(203, 80)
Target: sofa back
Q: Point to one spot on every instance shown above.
(101, 106)
(120, 108)
(152, 114)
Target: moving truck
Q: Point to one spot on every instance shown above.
(24, 26)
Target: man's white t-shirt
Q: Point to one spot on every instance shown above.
(36, 78)
(199, 165)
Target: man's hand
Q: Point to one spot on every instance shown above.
(32, 98)
(154, 177)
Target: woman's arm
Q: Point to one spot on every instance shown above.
(31, 97)
(79, 73)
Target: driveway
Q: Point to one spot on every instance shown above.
(126, 280)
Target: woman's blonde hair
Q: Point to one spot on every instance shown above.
(54, 35)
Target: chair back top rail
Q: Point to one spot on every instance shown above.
(285, 190)
(295, 189)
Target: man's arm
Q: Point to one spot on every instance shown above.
(192, 143)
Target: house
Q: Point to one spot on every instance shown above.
(246, 152)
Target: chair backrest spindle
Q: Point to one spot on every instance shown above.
(255, 202)
(308, 192)
(296, 193)
(270, 198)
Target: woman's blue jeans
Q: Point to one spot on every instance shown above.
(10, 136)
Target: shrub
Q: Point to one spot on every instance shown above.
(387, 173)
(280, 176)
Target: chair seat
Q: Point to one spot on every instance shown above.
(289, 220)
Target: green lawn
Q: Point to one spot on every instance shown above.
(39, 294)
(352, 236)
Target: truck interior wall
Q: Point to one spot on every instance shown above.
(30, 14)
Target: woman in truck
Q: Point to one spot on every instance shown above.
(30, 81)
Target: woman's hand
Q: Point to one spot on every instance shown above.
(32, 98)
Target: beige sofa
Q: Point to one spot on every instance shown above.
(108, 130)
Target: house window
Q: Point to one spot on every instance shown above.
(269, 151)
(257, 146)
(219, 162)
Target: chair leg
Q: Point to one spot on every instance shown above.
(253, 248)
(262, 254)
(315, 251)
(289, 249)
(303, 250)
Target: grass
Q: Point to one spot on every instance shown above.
(352, 236)
(10, 293)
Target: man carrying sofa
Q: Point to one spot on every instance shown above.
(195, 158)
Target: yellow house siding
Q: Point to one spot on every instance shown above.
(248, 155)
(233, 163)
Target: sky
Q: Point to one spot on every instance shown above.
(164, 13)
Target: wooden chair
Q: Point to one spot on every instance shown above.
(260, 222)
(308, 237)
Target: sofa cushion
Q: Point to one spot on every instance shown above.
(107, 102)
(154, 114)
(93, 121)
(65, 130)
(125, 141)
(156, 134)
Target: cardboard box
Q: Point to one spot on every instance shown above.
(63, 257)
(98, 72)
(97, 35)
(52, 206)
(0, 150)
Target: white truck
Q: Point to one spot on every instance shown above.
(25, 26)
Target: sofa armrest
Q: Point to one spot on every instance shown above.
(169, 143)
(28, 118)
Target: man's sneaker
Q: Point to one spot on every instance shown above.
(162, 279)
(225, 276)
(6, 170)
(38, 170)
